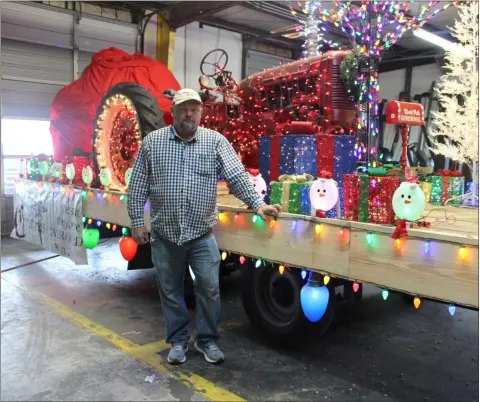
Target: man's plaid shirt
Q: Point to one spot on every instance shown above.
(180, 179)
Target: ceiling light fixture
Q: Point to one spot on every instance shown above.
(443, 43)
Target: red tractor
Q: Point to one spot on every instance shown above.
(306, 96)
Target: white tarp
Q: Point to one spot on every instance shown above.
(50, 218)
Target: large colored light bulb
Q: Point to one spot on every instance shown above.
(90, 237)
(314, 300)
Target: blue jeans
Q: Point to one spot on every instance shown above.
(170, 262)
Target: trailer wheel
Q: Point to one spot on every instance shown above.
(407, 298)
(272, 302)
(350, 294)
(132, 108)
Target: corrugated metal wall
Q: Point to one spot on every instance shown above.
(257, 61)
(44, 49)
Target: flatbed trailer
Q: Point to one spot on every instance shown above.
(439, 262)
(427, 263)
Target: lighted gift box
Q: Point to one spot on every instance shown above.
(333, 213)
(427, 189)
(298, 154)
(418, 171)
(292, 193)
(369, 198)
(445, 186)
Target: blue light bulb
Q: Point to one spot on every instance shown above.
(451, 309)
(314, 300)
(426, 246)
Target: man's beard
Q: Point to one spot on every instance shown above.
(188, 126)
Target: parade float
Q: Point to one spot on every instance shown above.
(307, 133)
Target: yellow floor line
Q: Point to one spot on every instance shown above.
(160, 346)
(146, 354)
(154, 347)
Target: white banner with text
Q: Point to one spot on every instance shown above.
(51, 218)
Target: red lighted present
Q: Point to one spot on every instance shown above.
(369, 198)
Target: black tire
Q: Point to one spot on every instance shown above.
(272, 302)
(150, 116)
(350, 295)
(407, 298)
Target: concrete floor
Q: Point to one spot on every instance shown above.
(95, 333)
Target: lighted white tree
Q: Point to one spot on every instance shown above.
(455, 127)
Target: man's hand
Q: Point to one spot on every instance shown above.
(140, 235)
(265, 210)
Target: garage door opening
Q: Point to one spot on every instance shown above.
(21, 139)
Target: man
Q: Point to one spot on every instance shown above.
(177, 169)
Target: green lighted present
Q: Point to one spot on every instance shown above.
(292, 193)
(426, 187)
(447, 185)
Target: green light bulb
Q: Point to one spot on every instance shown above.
(384, 294)
(370, 238)
(90, 237)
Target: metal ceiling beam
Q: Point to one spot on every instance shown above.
(132, 5)
(253, 32)
(284, 13)
(185, 12)
(272, 10)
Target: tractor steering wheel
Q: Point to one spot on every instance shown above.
(216, 64)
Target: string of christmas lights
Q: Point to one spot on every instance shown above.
(374, 26)
(326, 277)
(281, 103)
(91, 235)
(343, 236)
(117, 139)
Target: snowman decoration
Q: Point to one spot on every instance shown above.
(56, 171)
(128, 176)
(324, 194)
(408, 203)
(258, 182)
(70, 172)
(105, 177)
(44, 167)
(87, 175)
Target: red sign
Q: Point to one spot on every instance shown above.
(407, 113)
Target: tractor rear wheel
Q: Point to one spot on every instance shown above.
(126, 115)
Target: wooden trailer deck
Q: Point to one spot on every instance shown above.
(439, 262)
